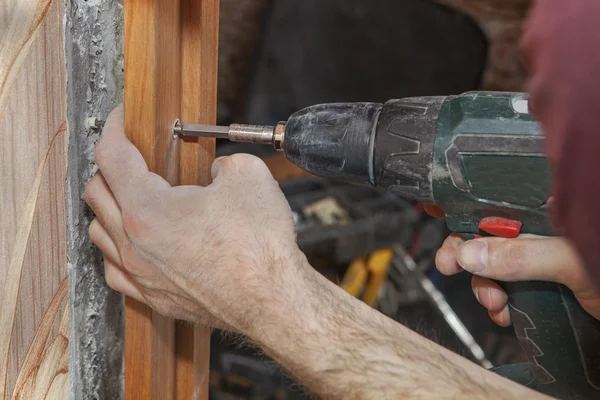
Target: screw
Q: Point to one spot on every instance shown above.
(94, 123)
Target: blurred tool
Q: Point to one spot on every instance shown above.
(337, 222)
(366, 277)
(406, 265)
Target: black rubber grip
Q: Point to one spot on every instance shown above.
(560, 339)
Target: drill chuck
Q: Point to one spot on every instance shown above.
(333, 140)
(385, 145)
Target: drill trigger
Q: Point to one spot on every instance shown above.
(501, 227)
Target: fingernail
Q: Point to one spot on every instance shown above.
(477, 294)
(473, 256)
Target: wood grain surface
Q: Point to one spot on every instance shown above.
(32, 200)
(170, 73)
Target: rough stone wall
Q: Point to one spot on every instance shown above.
(94, 63)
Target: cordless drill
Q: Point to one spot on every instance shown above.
(479, 157)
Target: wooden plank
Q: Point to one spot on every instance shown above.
(139, 125)
(32, 193)
(168, 43)
(199, 44)
(148, 336)
(204, 15)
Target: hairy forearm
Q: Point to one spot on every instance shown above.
(340, 348)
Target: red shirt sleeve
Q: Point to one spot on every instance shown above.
(561, 44)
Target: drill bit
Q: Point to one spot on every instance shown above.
(220, 132)
(261, 134)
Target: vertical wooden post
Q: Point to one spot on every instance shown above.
(170, 72)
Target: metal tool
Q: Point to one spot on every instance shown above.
(236, 133)
(405, 264)
(480, 158)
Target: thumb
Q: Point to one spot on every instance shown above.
(242, 166)
(216, 167)
(525, 258)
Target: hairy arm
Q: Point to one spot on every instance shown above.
(340, 348)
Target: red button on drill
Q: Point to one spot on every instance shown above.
(501, 227)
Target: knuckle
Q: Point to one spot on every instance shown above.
(246, 162)
(226, 164)
(88, 197)
(242, 168)
(243, 158)
(100, 153)
(111, 153)
(93, 231)
(445, 261)
(136, 223)
(112, 278)
(132, 264)
(439, 260)
(89, 193)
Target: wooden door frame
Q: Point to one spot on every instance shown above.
(171, 49)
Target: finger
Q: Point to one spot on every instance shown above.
(524, 258)
(445, 258)
(489, 294)
(121, 163)
(501, 317)
(103, 241)
(121, 281)
(99, 197)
